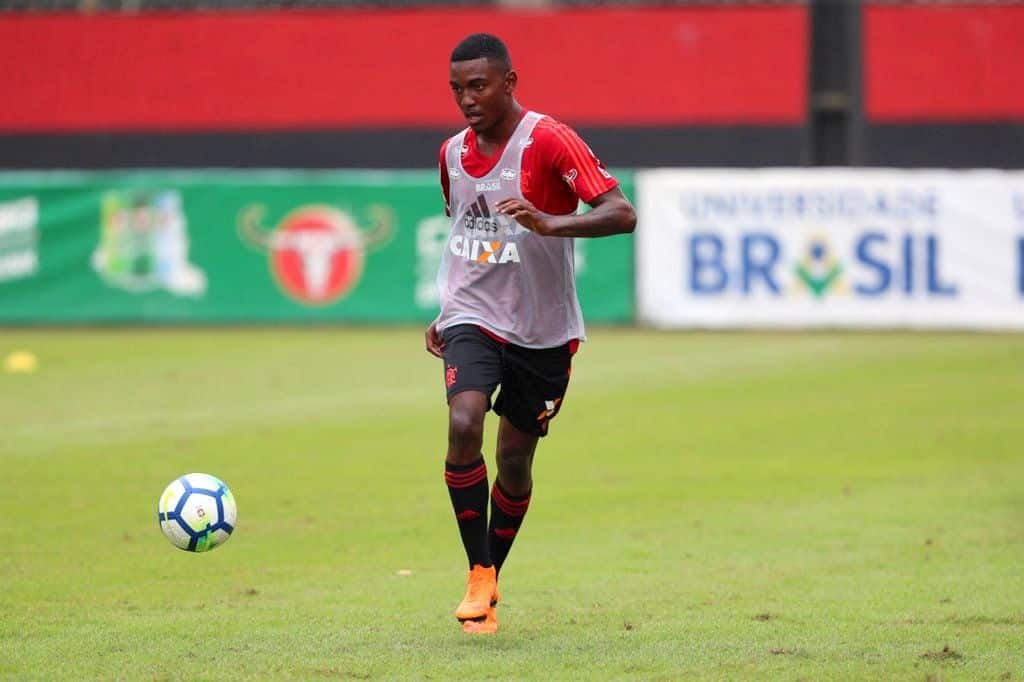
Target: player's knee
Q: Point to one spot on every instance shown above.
(516, 463)
(466, 430)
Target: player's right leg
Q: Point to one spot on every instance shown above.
(466, 477)
(472, 370)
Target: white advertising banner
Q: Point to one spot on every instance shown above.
(831, 248)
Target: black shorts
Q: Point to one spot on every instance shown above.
(533, 380)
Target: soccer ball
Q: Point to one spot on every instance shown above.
(197, 512)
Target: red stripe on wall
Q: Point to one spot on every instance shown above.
(944, 63)
(295, 70)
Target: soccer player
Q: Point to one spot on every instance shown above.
(509, 315)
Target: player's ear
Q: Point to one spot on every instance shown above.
(511, 79)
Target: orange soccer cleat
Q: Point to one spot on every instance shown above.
(481, 593)
(488, 625)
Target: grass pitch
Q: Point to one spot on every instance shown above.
(714, 506)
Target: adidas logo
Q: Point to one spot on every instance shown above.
(479, 218)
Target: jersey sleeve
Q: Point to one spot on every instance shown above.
(442, 167)
(576, 163)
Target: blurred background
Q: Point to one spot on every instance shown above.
(172, 146)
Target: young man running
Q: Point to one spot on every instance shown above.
(509, 315)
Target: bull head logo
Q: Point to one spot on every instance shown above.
(316, 252)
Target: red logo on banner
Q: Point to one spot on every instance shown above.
(317, 252)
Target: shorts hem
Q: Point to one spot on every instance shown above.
(479, 389)
(533, 430)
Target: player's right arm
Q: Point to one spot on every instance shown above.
(442, 167)
(432, 338)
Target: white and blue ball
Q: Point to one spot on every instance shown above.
(197, 512)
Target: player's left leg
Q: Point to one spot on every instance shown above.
(510, 494)
(533, 385)
(510, 497)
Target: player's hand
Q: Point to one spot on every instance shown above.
(434, 343)
(526, 214)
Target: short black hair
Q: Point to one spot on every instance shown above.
(482, 45)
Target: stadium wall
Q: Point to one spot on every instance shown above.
(228, 247)
(707, 86)
(944, 85)
(717, 85)
(714, 248)
(831, 248)
(368, 89)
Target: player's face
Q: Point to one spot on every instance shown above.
(483, 91)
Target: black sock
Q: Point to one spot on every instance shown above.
(507, 512)
(467, 486)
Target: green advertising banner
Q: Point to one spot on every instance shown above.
(260, 246)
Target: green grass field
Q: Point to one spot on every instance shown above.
(712, 506)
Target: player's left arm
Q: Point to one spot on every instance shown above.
(572, 161)
(611, 213)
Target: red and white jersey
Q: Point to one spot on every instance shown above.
(559, 169)
(494, 272)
